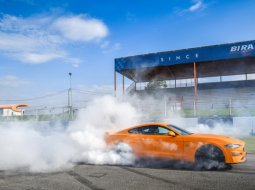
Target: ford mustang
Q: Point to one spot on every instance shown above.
(162, 140)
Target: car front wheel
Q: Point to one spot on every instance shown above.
(209, 157)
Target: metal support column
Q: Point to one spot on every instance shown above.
(230, 106)
(115, 84)
(195, 88)
(70, 101)
(123, 85)
(195, 81)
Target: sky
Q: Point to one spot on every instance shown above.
(42, 41)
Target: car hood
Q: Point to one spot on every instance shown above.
(227, 139)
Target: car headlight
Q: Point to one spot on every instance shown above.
(232, 146)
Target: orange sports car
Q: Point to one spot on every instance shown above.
(161, 140)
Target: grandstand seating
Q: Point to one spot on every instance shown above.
(235, 97)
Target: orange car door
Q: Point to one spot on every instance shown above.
(167, 146)
(147, 140)
(140, 143)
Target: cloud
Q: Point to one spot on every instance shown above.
(198, 4)
(73, 61)
(109, 47)
(12, 81)
(41, 39)
(17, 42)
(105, 44)
(81, 28)
(36, 58)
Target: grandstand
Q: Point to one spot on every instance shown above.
(211, 80)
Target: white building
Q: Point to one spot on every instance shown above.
(12, 109)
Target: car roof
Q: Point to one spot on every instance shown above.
(153, 123)
(147, 124)
(142, 125)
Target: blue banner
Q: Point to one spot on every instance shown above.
(184, 56)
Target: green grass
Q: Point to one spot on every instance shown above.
(250, 144)
(220, 112)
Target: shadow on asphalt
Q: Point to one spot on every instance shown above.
(178, 165)
(169, 165)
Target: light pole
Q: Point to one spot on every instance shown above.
(70, 106)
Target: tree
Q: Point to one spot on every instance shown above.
(156, 84)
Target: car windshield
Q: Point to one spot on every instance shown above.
(179, 130)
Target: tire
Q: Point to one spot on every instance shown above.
(209, 157)
(125, 152)
(122, 147)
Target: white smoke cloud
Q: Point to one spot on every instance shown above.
(22, 146)
(221, 129)
(39, 147)
(104, 114)
(33, 147)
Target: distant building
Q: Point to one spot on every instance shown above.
(12, 110)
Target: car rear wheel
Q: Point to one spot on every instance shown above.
(122, 147)
(125, 152)
(209, 157)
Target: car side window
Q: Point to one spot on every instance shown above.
(135, 131)
(155, 130)
(150, 130)
(163, 130)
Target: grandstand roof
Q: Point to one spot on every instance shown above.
(217, 60)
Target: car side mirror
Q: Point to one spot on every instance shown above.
(171, 133)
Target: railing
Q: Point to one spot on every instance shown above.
(131, 88)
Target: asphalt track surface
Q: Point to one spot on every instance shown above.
(94, 177)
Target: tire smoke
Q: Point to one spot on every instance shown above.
(44, 147)
(37, 147)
